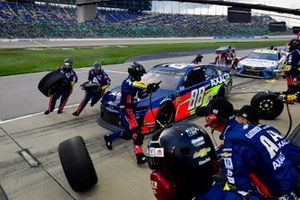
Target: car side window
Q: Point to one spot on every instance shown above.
(210, 73)
(194, 77)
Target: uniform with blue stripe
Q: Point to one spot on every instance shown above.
(70, 74)
(131, 89)
(251, 149)
(96, 75)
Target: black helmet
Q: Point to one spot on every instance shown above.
(184, 155)
(294, 44)
(222, 108)
(136, 70)
(68, 63)
(250, 113)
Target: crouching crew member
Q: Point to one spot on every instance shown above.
(67, 71)
(253, 155)
(183, 161)
(96, 76)
(131, 89)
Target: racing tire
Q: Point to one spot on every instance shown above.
(53, 82)
(166, 115)
(269, 105)
(77, 164)
(222, 92)
(294, 137)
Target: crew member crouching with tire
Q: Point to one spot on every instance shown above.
(131, 89)
(69, 73)
(99, 77)
(253, 155)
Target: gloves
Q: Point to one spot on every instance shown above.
(152, 87)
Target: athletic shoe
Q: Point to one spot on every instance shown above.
(76, 114)
(108, 141)
(47, 112)
(59, 111)
(141, 158)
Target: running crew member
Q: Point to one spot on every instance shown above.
(96, 76)
(252, 155)
(131, 89)
(67, 71)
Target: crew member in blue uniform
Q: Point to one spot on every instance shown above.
(67, 71)
(249, 115)
(98, 76)
(183, 161)
(132, 88)
(253, 155)
(292, 68)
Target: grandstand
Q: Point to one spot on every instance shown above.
(30, 20)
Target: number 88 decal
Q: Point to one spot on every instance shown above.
(196, 98)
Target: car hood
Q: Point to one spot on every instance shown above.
(259, 63)
(114, 96)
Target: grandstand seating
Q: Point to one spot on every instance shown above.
(49, 21)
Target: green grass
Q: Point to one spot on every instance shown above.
(19, 61)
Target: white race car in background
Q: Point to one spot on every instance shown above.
(262, 63)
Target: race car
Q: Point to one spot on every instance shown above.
(262, 63)
(183, 88)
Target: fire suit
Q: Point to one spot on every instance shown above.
(251, 152)
(130, 90)
(103, 80)
(63, 95)
(217, 193)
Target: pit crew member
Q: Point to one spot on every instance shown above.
(131, 89)
(252, 155)
(183, 160)
(98, 76)
(67, 71)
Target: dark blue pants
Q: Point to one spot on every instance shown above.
(131, 129)
(94, 96)
(64, 96)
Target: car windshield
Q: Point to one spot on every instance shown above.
(169, 81)
(263, 56)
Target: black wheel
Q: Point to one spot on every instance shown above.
(166, 115)
(294, 137)
(221, 92)
(77, 164)
(228, 88)
(53, 82)
(268, 104)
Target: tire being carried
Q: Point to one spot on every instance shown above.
(53, 82)
(268, 104)
(77, 164)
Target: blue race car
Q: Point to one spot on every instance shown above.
(183, 88)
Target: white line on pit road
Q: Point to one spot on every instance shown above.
(32, 115)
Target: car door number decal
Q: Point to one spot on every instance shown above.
(196, 98)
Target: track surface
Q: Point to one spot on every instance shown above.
(119, 177)
(33, 43)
